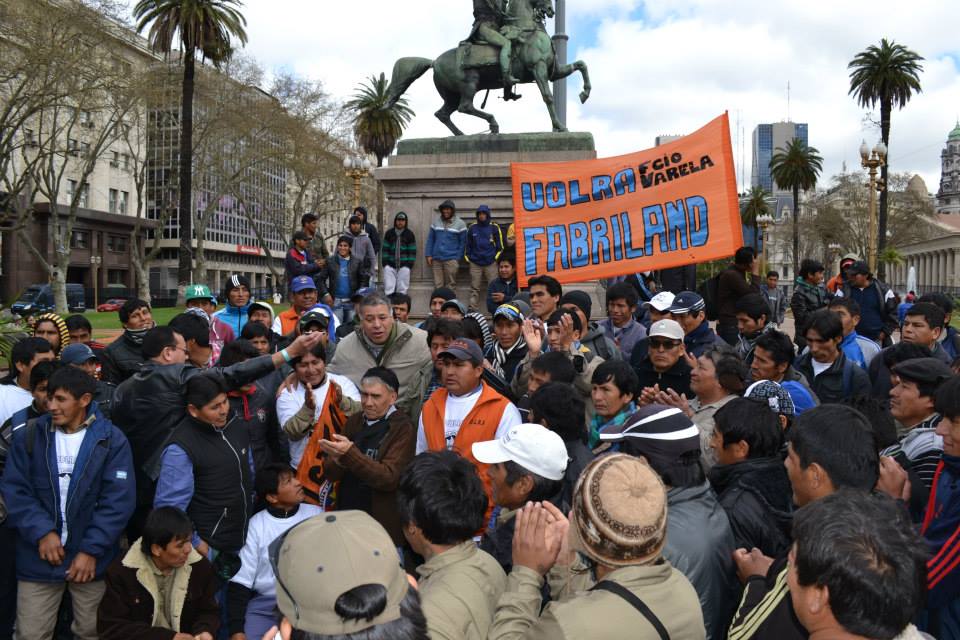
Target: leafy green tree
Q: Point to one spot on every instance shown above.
(796, 167)
(207, 27)
(755, 206)
(888, 75)
(378, 126)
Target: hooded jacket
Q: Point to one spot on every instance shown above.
(498, 285)
(757, 497)
(100, 501)
(129, 605)
(700, 545)
(370, 228)
(405, 352)
(362, 251)
(701, 339)
(599, 343)
(484, 242)
(447, 238)
(399, 249)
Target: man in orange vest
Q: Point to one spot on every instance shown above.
(465, 409)
(303, 295)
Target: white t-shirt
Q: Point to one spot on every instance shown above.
(291, 400)
(255, 571)
(12, 399)
(68, 448)
(819, 367)
(456, 409)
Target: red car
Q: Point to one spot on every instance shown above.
(113, 304)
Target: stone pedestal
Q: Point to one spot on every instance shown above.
(470, 170)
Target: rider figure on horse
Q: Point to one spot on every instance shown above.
(488, 17)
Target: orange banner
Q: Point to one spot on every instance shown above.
(665, 207)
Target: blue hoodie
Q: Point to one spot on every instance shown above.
(484, 242)
(101, 497)
(235, 317)
(446, 240)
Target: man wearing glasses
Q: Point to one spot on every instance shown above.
(664, 363)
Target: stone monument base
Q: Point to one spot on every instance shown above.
(470, 170)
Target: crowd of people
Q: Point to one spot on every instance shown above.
(337, 471)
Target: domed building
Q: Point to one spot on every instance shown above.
(948, 197)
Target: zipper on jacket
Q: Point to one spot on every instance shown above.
(240, 469)
(219, 520)
(83, 471)
(53, 487)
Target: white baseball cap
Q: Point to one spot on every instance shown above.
(667, 329)
(532, 446)
(661, 302)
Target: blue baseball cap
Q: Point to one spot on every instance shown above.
(77, 353)
(803, 400)
(687, 302)
(483, 209)
(302, 283)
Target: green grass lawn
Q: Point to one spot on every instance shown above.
(109, 320)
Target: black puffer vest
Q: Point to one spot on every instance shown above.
(222, 481)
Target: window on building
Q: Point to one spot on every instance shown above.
(117, 244)
(85, 148)
(80, 239)
(124, 197)
(72, 146)
(113, 199)
(85, 195)
(29, 138)
(116, 276)
(126, 162)
(115, 159)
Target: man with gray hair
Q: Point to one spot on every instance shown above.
(381, 341)
(377, 443)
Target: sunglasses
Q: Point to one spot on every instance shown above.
(664, 345)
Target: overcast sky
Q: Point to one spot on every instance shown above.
(657, 67)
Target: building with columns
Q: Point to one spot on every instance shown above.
(936, 261)
(948, 197)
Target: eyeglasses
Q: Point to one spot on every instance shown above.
(663, 345)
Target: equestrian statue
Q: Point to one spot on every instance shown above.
(507, 45)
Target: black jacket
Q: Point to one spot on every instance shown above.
(120, 360)
(732, 285)
(758, 499)
(147, 407)
(676, 378)
(702, 339)
(835, 384)
(222, 503)
(358, 271)
(805, 300)
(766, 608)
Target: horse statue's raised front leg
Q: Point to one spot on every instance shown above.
(565, 70)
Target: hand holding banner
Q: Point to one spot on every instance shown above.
(665, 207)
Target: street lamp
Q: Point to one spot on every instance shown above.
(834, 248)
(95, 262)
(873, 160)
(357, 168)
(763, 221)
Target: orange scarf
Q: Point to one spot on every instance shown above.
(317, 489)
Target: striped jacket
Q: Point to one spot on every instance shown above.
(399, 251)
(941, 531)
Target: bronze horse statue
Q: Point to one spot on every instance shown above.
(461, 72)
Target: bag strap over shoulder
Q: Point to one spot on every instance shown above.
(636, 603)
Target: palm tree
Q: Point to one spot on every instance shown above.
(796, 167)
(755, 206)
(378, 126)
(889, 75)
(190, 26)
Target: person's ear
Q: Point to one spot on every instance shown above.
(525, 484)
(156, 550)
(818, 599)
(937, 331)
(741, 449)
(783, 422)
(193, 411)
(85, 400)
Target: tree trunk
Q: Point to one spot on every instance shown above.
(200, 272)
(885, 108)
(381, 204)
(59, 286)
(143, 280)
(796, 230)
(185, 212)
(756, 236)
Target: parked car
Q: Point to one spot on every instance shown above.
(38, 298)
(113, 304)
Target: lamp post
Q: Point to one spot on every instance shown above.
(873, 160)
(357, 168)
(95, 262)
(763, 221)
(834, 248)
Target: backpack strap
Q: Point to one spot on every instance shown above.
(636, 603)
